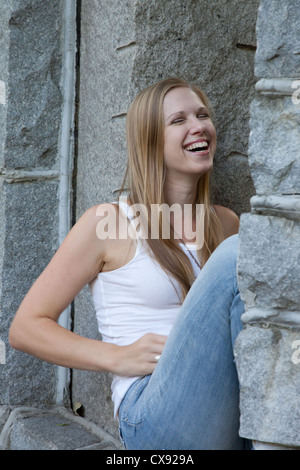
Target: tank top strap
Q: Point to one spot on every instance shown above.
(129, 213)
(126, 209)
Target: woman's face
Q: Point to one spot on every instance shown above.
(189, 136)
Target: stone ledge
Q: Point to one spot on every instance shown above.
(54, 429)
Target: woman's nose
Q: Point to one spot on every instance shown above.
(196, 125)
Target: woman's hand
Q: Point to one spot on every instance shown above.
(139, 358)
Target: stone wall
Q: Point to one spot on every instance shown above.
(126, 46)
(34, 172)
(267, 350)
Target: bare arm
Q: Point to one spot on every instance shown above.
(35, 329)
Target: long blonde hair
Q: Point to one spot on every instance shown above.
(145, 175)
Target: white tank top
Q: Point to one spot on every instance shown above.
(133, 300)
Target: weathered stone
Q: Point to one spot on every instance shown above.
(234, 169)
(104, 98)
(269, 377)
(266, 351)
(31, 65)
(93, 391)
(278, 44)
(30, 241)
(269, 263)
(274, 147)
(34, 95)
(5, 8)
(4, 414)
(4, 49)
(53, 429)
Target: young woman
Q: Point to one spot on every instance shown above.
(167, 338)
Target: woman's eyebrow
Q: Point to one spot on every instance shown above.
(175, 114)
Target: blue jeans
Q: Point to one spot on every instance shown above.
(191, 401)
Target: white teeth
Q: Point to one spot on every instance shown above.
(197, 145)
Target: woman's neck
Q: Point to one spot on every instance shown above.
(179, 193)
(182, 219)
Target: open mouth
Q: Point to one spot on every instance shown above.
(197, 146)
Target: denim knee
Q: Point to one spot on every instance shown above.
(229, 245)
(224, 257)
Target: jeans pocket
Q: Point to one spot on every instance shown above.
(130, 410)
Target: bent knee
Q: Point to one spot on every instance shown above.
(227, 251)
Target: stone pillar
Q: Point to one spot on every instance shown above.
(126, 46)
(268, 349)
(36, 119)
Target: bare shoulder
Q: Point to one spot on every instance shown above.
(92, 219)
(228, 219)
(91, 216)
(83, 250)
(111, 222)
(97, 226)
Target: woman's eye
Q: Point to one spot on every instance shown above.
(203, 116)
(178, 121)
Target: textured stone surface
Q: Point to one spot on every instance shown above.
(92, 390)
(34, 95)
(4, 414)
(53, 429)
(269, 263)
(234, 170)
(4, 46)
(278, 45)
(31, 237)
(31, 68)
(106, 60)
(274, 158)
(269, 384)
(269, 259)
